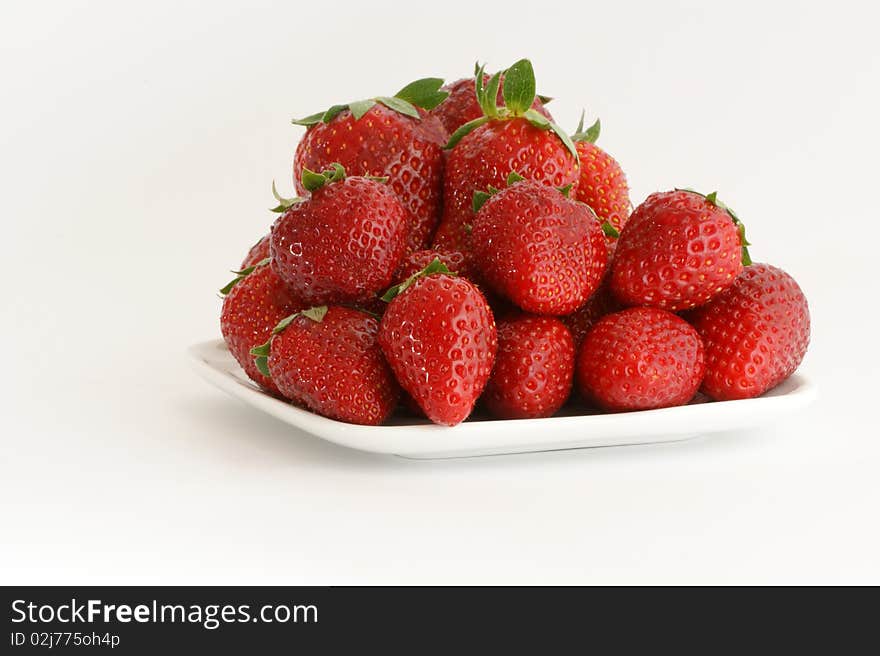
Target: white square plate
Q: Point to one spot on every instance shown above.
(478, 436)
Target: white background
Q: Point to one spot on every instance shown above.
(137, 145)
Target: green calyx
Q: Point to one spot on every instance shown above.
(518, 94)
(424, 93)
(313, 181)
(480, 197)
(284, 204)
(610, 230)
(261, 352)
(590, 134)
(740, 227)
(436, 266)
(241, 275)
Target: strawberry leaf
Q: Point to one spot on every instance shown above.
(241, 275)
(480, 198)
(316, 313)
(424, 93)
(490, 96)
(513, 177)
(464, 130)
(312, 181)
(610, 230)
(536, 119)
(519, 87)
(436, 266)
(566, 190)
(544, 99)
(261, 356)
(399, 106)
(331, 113)
(335, 173)
(308, 121)
(590, 134)
(360, 107)
(284, 204)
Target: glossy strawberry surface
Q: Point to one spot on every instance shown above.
(440, 340)
(602, 184)
(335, 367)
(676, 251)
(485, 158)
(455, 261)
(640, 358)
(383, 143)
(756, 333)
(342, 243)
(543, 251)
(533, 368)
(251, 309)
(580, 322)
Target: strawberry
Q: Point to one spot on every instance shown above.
(533, 369)
(602, 183)
(678, 249)
(343, 242)
(756, 333)
(388, 137)
(538, 248)
(455, 261)
(328, 360)
(439, 338)
(257, 253)
(640, 358)
(461, 106)
(512, 137)
(602, 302)
(255, 301)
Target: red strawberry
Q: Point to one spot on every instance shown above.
(533, 368)
(640, 358)
(439, 337)
(541, 250)
(385, 137)
(255, 302)
(343, 242)
(678, 249)
(461, 106)
(602, 302)
(602, 183)
(257, 253)
(756, 333)
(513, 137)
(453, 260)
(328, 360)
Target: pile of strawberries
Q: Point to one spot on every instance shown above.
(452, 244)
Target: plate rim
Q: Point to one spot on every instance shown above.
(419, 439)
